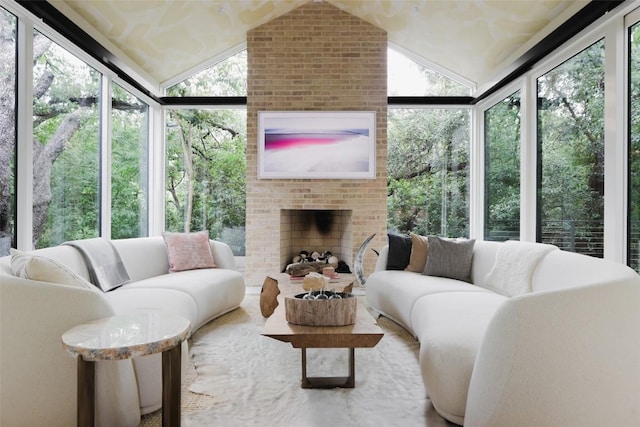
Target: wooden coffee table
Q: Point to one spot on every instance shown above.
(364, 333)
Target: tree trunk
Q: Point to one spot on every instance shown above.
(43, 158)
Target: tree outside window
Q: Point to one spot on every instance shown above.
(571, 153)
(502, 169)
(8, 29)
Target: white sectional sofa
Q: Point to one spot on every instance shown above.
(37, 376)
(565, 352)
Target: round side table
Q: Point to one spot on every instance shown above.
(127, 336)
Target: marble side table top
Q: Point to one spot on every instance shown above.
(126, 336)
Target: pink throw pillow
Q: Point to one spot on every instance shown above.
(188, 251)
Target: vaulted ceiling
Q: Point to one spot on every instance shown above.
(164, 40)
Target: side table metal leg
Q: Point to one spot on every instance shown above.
(171, 386)
(86, 391)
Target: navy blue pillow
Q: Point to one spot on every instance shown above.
(399, 251)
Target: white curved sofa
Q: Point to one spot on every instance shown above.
(565, 354)
(38, 377)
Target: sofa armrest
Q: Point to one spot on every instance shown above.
(560, 357)
(223, 255)
(37, 376)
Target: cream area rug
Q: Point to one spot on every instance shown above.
(242, 378)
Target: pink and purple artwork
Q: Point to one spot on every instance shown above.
(317, 144)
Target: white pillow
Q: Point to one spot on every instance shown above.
(514, 266)
(44, 269)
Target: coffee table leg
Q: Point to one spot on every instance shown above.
(329, 382)
(86, 391)
(171, 388)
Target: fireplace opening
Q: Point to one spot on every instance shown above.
(315, 230)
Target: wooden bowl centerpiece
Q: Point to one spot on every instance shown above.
(321, 308)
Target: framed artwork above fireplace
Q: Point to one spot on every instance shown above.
(317, 144)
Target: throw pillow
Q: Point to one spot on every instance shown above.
(514, 267)
(44, 269)
(419, 250)
(188, 251)
(399, 252)
(450, 258)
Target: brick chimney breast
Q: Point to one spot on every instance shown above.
(314, 58)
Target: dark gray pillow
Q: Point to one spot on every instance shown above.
(449, 258)
(399, 251)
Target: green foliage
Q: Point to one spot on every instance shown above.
(217, 143)
(634, 149)
(75, 201)
(129, 166)
(428, 166)
(502, 169)
(571, 144)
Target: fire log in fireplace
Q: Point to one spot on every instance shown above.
(314, 262)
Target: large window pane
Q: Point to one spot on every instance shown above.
(129, 161)
(206, 173)
(571, 153)
(66, 146)
(8, 26)
(406, 77)
(634, 148)
(502, 169)
(226, 78)
(428, 171)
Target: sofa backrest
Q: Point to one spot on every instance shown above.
(65, 255)
(143, 257)
(556, 270)
(146, 257)
(562, 270)
(484, 257)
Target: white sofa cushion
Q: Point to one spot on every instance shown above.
(450, 327)
(129, 299)
(393, 293)
(214, 290)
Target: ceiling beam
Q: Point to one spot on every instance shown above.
(72, 32)
(570, 28)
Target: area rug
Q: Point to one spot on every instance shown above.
(249, 379)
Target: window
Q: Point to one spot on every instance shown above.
(66, 130)
(571, 153)
(8, 29)
(226, 78)
(206, 173)
(502, 169)
(633, 237)
(406, 77)
(129, 165)
(428, 171)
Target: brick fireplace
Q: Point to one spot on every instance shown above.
(316, 57)
(317, 230)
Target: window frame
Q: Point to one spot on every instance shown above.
(27, 22)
